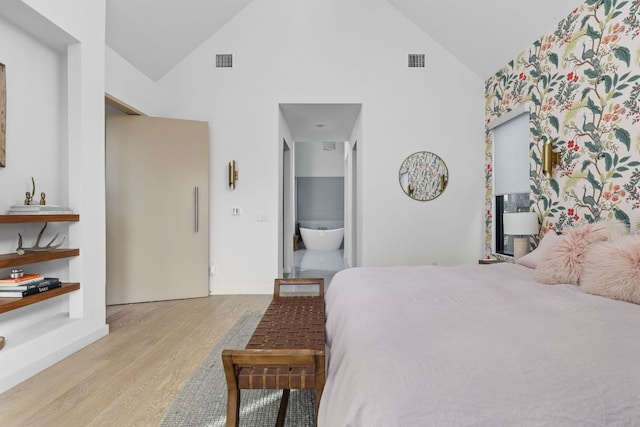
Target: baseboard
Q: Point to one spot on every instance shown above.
(242, 290)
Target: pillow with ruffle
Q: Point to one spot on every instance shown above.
(533, 258)
(612, 269)
(562, 262)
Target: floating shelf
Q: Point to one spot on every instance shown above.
(19, 219)
(8, 304)
(14, 260)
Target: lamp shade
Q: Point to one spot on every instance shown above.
(520, 223)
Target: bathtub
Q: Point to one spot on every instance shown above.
(322, 240)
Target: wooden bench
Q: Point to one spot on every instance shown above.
(286, 351)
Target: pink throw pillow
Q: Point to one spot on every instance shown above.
(533, 258)
(612, 269)
(562, 263)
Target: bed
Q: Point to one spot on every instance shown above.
(477, 345)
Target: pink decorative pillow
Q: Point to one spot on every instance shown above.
(533, 258)
(612, 269)
(562, 262)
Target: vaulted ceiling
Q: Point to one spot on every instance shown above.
(155, 35)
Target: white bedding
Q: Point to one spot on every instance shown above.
(476, 345)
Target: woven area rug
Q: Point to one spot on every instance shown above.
(202, 402)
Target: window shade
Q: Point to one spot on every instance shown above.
(511, 156)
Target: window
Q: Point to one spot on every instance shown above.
(508, 203)
(510, 172)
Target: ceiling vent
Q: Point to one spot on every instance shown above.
(417, 60)
(224, 60)
(329, 145)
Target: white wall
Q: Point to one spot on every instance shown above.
(127, 84)
(293, 51)
(313, 161)
(36, 120)
(64, 126)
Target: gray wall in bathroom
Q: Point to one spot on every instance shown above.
(320, 198)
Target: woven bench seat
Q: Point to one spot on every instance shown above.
(286, 351)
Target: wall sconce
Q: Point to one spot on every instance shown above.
(233, 174)
(549, 159)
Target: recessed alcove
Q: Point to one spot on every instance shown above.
(55, 101)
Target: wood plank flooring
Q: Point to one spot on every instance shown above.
(130, 377)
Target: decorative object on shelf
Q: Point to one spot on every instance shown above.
(233, 174)
(42, 199)
(423, 176)
(17, 273)
(44, 285)
(36, 246)
(39, 209)
(1, 343)
(522, 225)
(19, 279)
(3, 117)
(29, 195)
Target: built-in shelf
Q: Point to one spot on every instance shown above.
(8, 304)
(18, 219)
(30, 257)
(14, 260)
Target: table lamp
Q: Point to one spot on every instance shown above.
(522, 225)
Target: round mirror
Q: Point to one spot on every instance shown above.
(423, 176)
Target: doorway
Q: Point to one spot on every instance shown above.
(318, 160)
(287, 207)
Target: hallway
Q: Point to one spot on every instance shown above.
(313, 263)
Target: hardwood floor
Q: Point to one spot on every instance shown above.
(131, 376)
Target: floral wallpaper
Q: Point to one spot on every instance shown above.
(582, 84)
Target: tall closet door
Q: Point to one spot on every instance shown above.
(157, 209)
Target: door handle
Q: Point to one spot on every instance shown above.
(196, 199)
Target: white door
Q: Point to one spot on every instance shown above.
(157, 209)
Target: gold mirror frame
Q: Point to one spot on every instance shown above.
(423, 176)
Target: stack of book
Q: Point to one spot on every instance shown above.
(39, 209)
(28, 284)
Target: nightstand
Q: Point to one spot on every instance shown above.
(490, 261)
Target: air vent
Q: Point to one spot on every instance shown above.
(224, 60)
(416, 60)
(329, 145)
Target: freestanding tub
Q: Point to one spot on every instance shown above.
(322, 240)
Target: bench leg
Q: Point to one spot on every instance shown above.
(233, 391)
(282, 412)
(233, 409)
(321, 376)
